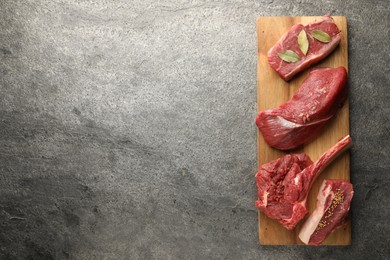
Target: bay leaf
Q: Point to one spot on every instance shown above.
(303, 43)
(320, 36)
(288, 56)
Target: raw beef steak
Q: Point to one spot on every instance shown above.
(317, 50)
(333, 202)
(284, 184)
(305, 115)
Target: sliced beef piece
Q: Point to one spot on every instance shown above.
(316, 52)
(305, 115)
(284, 184)
(333, 202)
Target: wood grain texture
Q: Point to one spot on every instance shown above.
(273, 91)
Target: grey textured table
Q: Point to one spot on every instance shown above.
(127, 129)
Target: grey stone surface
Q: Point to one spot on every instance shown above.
(127, 129)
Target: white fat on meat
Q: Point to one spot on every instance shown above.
(265, 198)
(314, 219)
(287, 123)
(296, 179)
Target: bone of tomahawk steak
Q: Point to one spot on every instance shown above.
(333, 202)
(284, 184)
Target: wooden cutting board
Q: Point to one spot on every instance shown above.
(273, 91)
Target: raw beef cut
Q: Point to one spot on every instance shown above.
(284, 184)
(317, 50)
(305, 115)
(333, 202)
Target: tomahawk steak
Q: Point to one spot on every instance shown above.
(317, 50)
(333, 202)
(284, 184)
(305, 115)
